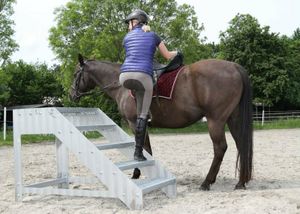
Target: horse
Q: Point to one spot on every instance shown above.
(219, 90)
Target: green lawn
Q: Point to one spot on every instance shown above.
(195, 128)
(202, 127)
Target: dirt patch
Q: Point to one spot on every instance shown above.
(274, 189)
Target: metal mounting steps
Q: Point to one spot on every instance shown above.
(67, 124)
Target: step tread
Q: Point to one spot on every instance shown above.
(98, 125)
(95, 126)
(116, 145)
(156, 184)
(133, 164)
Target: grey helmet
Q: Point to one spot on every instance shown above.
(139, 15)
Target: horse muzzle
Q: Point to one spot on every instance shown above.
(73, 96)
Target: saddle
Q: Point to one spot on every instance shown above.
(163, 87)
(159, 69)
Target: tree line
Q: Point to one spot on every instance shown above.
(96, 30)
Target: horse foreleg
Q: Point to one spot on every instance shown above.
(147, 147)
(217, 134)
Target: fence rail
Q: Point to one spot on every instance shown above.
(258, 117)
(271, 116)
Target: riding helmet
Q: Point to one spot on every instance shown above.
(138, 14)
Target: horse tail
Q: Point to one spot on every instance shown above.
(245, 136)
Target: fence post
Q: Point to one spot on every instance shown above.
(4, 124)
(263, 117)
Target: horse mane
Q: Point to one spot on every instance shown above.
(105, 62)
(105, 66)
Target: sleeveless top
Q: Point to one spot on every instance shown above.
(140, 48)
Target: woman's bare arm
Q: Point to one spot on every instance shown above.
(165, 52)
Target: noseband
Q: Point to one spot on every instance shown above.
(79, 94)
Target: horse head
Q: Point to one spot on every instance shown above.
(82, 82)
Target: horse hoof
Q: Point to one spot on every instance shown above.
(136, 174)
(205, 187)
(240, 186)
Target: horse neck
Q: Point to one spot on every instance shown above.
(106, 76)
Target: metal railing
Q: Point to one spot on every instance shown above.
(4, 123)
(270, 116)
(263, 116)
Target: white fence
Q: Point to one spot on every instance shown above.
(4, 123)
(262, 116)
(270, 116)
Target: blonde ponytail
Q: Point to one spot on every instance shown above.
(146, 28)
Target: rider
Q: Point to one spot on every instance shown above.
(137, 71)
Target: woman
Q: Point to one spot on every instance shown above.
(137, 71)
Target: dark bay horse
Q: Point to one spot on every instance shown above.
(217, 89)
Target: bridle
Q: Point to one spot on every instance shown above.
(75, 86)
(80, 76)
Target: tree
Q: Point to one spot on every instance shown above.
(7, 44)
(29, 84)
(292, 64)
(4, 90)
(261, 52)
(96, 29)
(296, 34)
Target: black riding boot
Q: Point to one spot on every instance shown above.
(140, 133)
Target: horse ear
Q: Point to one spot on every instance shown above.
(81, 60)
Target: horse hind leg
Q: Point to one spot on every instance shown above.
(217, 134)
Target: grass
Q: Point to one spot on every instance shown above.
(36, 138)
(195, 128)
(202, 127)
(279, 124)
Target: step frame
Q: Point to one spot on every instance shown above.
(62, 122)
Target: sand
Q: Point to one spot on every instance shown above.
(275, 187)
